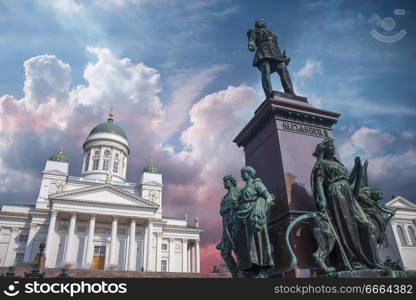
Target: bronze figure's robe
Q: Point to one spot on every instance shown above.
(252, 241)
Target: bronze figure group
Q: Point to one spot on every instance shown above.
(350, 224)
(245, 230)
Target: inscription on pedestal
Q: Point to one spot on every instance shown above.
(304, 129)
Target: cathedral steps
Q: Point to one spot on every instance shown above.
(84, 273)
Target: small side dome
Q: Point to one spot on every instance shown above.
(59, 156)
(151, 168)
(109, 127)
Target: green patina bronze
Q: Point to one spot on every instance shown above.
(109, 127)
(245, 230)
(151, 168)
(59, 156)
(350, 224)
(229, 204)
(268, 58)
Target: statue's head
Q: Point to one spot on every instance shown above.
(376, 193)
(326, 147)
(229, 181)
(370, 194)
(260, 23)
(248, 172)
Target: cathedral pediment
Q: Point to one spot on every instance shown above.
(400, 202)
(105, 194)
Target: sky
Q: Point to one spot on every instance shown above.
(179, 77)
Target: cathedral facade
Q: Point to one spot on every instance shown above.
(99, 220)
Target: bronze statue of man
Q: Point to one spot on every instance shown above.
(268, 57)
(229, 205)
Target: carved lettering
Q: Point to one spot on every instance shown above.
(304, 129)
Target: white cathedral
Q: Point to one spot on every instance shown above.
(99, 220)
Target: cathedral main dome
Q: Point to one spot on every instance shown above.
(105, 152)
(108, 127)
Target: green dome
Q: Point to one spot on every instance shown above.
(59, 156)
(109, 127)
(151, 168)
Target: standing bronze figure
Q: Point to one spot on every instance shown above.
(229, 205)
(268, 57)
(252, 239)
(336, 196)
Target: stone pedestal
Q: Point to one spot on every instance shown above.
(278, 142)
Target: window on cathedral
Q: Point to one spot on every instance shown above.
(99, 250)
(122, 231)
(402, 237)
(412, 235)
(95, 164)
(115, 167)
(117, 155)
(164, 265)
(106, 163)
(97, 152)
(23, 238)
(165, 247)
(19, 258)
(87, 161)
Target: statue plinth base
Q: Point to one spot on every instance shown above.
(278, 142)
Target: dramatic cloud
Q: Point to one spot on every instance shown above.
(46, 103)
(392, 159)
(215, 121)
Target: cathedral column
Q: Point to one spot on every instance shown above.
(90, 242)
(132, 245)
(189, 258)
(193, 262)
(158, 251)
(145, 238)
(29, 245)
(70, 238)
(149, 266)
(171, 254)
(49, 238)
(184, 254)
(112, 261)
(197, 258)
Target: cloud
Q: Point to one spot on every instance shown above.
(392, 159)
(311, 67)
(186, 86)
(63, 6)
(46, 103)
(209, 153)
(367, 141)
